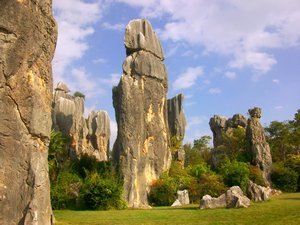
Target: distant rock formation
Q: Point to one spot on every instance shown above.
(257, 193)
(141, 150)
(257, 145)
(233, 198)
(182, 198)
(27, 42)
(88, 136)
(220, 125)
(176, 117)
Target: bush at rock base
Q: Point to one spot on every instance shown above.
(284, 178)
(256, 175)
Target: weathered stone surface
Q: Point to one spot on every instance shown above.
(183, 197)
(141, 150)
(233, 198)
(218, 126)
(257, 145)
(176, 117)
(89, 136)
(180, 156)
(139, 35)
(176, 203)
(27, 43)
(257, 193)
(98, 124)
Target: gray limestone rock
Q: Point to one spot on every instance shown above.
(141, 150)
(27, 42)
(257, 145)
(233, 198)
(176, 203)
(256, 192)
(183, 197)
(89, 136)
(218, 126)
(139, 35)
(176, 117)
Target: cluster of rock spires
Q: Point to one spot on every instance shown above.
(257, 146)
(142, 149)
(88, 136)
(27, 42)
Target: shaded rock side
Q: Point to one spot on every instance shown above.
(176, 117)
(233, 198)
(27, 42)
(88, 136)
(141, 150)
(257, 145)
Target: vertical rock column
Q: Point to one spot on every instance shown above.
(257, 145)
(27, 43)
(141, 150)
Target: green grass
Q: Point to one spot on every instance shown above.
(281, 210)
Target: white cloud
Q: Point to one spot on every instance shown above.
(75, 19)
(117, 26)
(215, 91)
(112, 81)
(195, 121)
(242, 30)
(276, 81)
(81, 81)
(188, 78)
(100, 61)
(279, 107)
(230, 75)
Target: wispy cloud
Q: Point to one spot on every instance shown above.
(100, 61)
(244, 38)
(117, 26)
(215, 91)
(188, 78)
(230, 75)
(276, 81)
(75, 20)
(113, 132)
(279, 107)
(113, 79)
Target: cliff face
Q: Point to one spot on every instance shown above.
(27, 43)
(88, 136)
(141, 150)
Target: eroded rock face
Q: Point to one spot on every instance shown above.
(141, 150)
(88, 136)
(257, 145)
(257, 193)
(233, 198)
(27, 42)
(176, 117)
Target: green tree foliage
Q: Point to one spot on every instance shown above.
(235, 174)
(99, 193)
(202, 142)
(284, 178)
(256, 175)
(293, 163)
(78, 94)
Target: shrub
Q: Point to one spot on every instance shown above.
(163, 191)
(65, 192)
(256, 175)
(284, 178)
(235, 174)
(293, 162)
(99, 193)
(78, 94)
(198, 170)
(208, 184)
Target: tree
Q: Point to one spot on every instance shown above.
(79, 94)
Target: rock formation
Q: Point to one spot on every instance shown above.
(27, 42)
(141, 150)
(88, 136)
(182, 198)
(257, 193)
(257, 145)
(220, 125)
(176, 117)
(233, 198)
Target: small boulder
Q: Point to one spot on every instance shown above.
(183, 197)
(233, 198)
(257, 193)
(176, 203)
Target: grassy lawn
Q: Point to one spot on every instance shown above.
(281, 210)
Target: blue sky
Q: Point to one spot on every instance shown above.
(224, 56)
